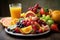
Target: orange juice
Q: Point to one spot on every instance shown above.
(15, 12)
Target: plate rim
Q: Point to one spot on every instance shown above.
(18, 34)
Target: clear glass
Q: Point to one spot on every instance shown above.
(15, 10)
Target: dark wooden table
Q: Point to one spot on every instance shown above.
(49, 36)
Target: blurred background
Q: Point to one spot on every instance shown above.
(4, 5)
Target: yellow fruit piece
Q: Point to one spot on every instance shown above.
(26, 30)
(42, 28)
(22, 14)
(14, 21)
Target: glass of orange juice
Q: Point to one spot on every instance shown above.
(15, 10)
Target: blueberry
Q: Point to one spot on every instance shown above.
(20, 25)
(17, 23)
(8, 29)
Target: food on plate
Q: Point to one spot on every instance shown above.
(36, 20)
(29, 26)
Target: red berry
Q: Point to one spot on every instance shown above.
(24, 22)
(40, 30)
(32, 22)
(34, 27)
(35, 23)
(17, 30)
(34, 10)
(42, 11)
(36, 5)
(54, 27)
(28, 23)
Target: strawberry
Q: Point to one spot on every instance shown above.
(42, 11)
(34, 27)
(54, 27)
(17, 30)
(40, 30)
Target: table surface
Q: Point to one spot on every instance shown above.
(49, 36)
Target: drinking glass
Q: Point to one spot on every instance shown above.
(15, 10)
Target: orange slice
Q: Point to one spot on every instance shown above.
(26, 30)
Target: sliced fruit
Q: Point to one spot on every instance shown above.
(30, 14)
(46, 27)
(34, 28)
(26, 30)
(35, 18)
(37, 24)
(12, 27)
(23, 15)
(6, 21)
(14, 21)
(41, 30)
(17, 30)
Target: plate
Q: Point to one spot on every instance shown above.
(18, 34)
